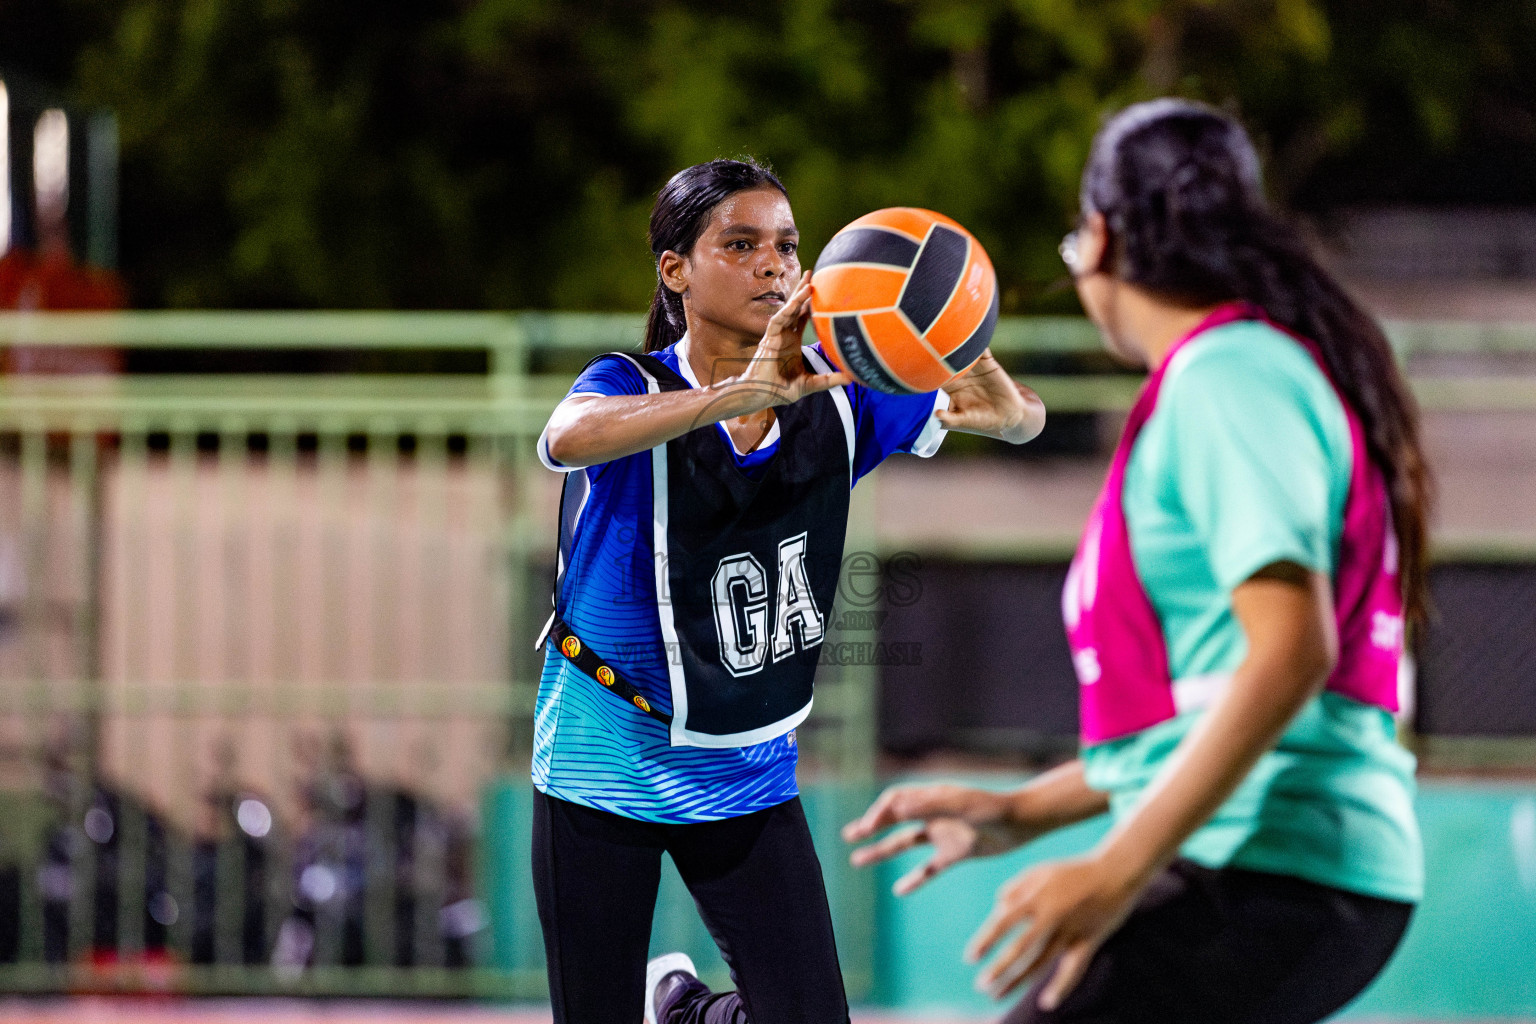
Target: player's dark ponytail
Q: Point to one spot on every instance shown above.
(680, 215)
(1178, 186)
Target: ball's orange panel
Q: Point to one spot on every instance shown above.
(852, 288)
(909, 220)
(968, 307)
(828, 338)
(903, 354)
(938, 217)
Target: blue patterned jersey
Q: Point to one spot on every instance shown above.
(593, 749)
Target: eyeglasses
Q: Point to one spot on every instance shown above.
(1069, 252)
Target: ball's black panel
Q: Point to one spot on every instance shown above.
(868, 245)
(966, 354)
(934, 276)
(861, 359)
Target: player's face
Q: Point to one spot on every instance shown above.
(744, 265)
(1097, 289)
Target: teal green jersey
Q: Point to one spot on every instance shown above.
(1246, 461)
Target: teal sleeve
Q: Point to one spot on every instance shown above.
(1253, 463)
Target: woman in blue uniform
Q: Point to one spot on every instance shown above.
(1235, 615)
(701, 534)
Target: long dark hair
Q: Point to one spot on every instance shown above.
(680, 215)
(1178, 186)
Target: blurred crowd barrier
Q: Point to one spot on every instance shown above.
(267, 605)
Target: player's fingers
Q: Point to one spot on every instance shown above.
(951, 419)
(874, 818)
(784, 318)
(1069, 971)
(923, 873)
(796, 305)
(1005, 917)
(952, 840)
(800, 298)
(1015, 961)
(1015, 972)
(959, 419)
(983, 364)
(888, 847)
(771, 348)
(813, 383)
(1027, 967)
(1037, 957)
(794, 334)
(895, 805)
(770, 392)
(804, 285)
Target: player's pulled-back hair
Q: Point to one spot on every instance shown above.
(1179, 188)
(678, 219)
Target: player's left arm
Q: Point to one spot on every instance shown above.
(1257, 480)
(1068, 908)
(987, 401)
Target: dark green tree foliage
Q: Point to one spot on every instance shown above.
(1421, 102)
(504, 153)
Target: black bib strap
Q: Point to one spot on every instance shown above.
(587, 661)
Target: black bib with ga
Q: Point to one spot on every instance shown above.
(747, 565)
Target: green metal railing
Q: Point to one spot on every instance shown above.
(266, 638)
(264, 649)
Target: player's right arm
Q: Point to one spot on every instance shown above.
(961, 822)
(587, 429)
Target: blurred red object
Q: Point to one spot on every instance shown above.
(52, 280)
(151, 973)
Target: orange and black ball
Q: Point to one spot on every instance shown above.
(904, 299)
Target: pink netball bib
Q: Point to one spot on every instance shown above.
(1116, 638)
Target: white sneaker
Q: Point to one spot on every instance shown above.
(659, 968)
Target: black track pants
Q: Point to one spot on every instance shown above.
(1231, 947)
(758, 886)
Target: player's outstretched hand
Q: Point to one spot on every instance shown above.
(986, 400)
(958, 822)
(776, 375)
(1062, 909)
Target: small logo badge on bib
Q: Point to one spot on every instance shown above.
(571, 646)
(605, 675)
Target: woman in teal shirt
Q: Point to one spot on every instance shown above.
(1236, 616)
